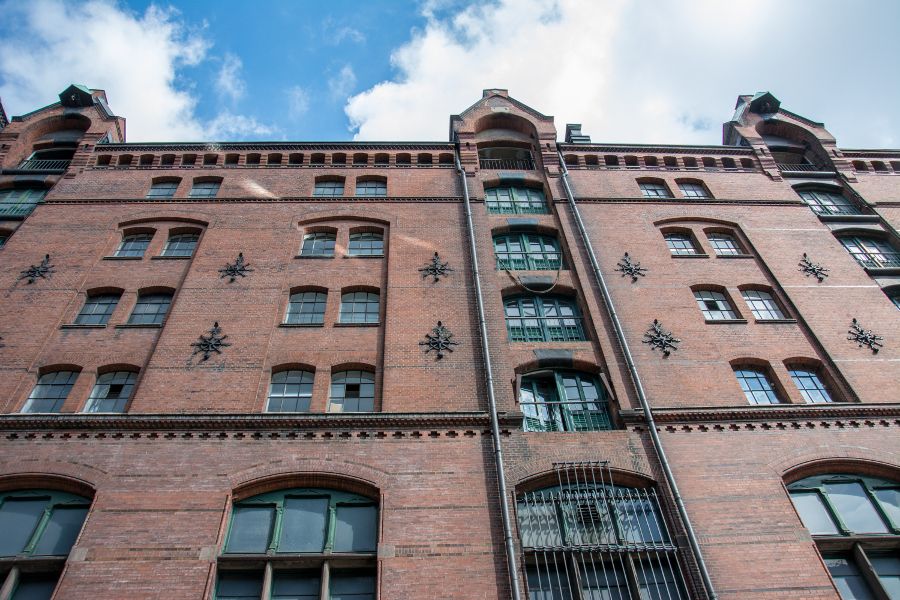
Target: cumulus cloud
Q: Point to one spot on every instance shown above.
(298, 102)
(229, 126)
(229, 81)
(342, 83)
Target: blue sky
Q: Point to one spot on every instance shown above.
(644, 71)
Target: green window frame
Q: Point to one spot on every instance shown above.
(97, 309)
(510, 200)
(527, 252)
(19, 202)
(543, 319)
(564, 401)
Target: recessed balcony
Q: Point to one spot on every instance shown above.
(510, 159)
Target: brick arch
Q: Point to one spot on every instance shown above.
(682, 220)
(537, 473)
(72, 477)
(369, 213)
(293, 471)
(797, 463)
(187, 216)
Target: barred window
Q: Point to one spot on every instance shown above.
(870, 252)
(756, 385)
(724, 244)
(151, 309)
(828, 202)
(681, 244)
(714, 306)
(693, 190)
(527, 252)
(542, 319)
(112, 392)
(318, 244)
(763, 305)
(329, 188)
(369, 187)
(359, 307)
(97, 309)
(163, 189)
(204, 189)
(181, 244)
(515, 200)
(654, 189)
(134, 245)
(290, 391)
(352, 391)
(366, 244)
(306, 308)
(51, 392)
(563, 401)
(811, 386)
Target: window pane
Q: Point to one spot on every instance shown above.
(680, 244)
(150, 309)
(290, 391)
(890, 503)
(352, 585)
(854, 507)
(810, 385)
(18, 519)
(366, 244)
(111, 392)
(51, 391)
(724, 245)
(61, 531)
(134, 245)
(97, 309)
(306, 308)
(847, 578)
(318, 244)
(756, 386)
(244, 585)
(305, 521)
(813, 513)
(250, 529)
(763, 305)
(296, 585)
(602, 581)
(359, 307)
(352, 391)
(888, 569)
(181, 245)
(34, 587)
(657, 581)
(355, 529)
(545, 582)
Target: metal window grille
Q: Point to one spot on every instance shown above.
(871, 253)
(587, 538)
(204, 189)
(680, 244)
(757, 386)
(811, 387)
(527, 252)
(359, 307)
(167, 190)
(693, 190)
(563, 401)
(724, 245)
(111, 392)
(51, 392)
(371, 188)
(823, 202)
(762, 305)
(515, 200)
(182, 244)
(134, 245)
(318, 244)
(352, 391)
(329, 188)
(651, 189)
(714, 305)
(97, 309)
(290, 391)
(150, 309)
(366, 244)
(306, 308)
(531, 319)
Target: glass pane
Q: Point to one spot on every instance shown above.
(18, 519)
(813, 513)
(545, 582)
(304, 525)
(352, 585)
(246, 585)
(657, 581)
(847, 578)
(888, 569)
(296, 585)
(61, 531)
(854, 507)
(890, 503)
(250, 529)
(355, 529)
(34, 587)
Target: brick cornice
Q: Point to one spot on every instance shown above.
(850, 412)
(283, 146)
(662, 149)
(289, 199)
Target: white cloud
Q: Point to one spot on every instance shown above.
(229, 82)
(298, 102)
(229, 126)
(348, 33)
(341, 84)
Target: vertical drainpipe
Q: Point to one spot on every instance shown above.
(639, 388)
(492, 401)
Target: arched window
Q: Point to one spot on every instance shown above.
(205, 189)
(320, 243)
(515, 200)
(824, 201)
(654, 188)
(563, 401)
(681, 244)
(306, 308)
(290, 391)
(97, 309)
(855, 522)
(162, 189)
(112, 392)
(367, 243)
(542, 319)
(151, 308)
(359, 307)
(51, 392)
(756, 385)
(371, 187)
(39, 529)
(587, 538)
(181, 244)
(810, 384)
(693, 189)
(352, 391)
(134, 245)
(333, 534)
(763, 305)
(329, 187)
(871, 252)
(527, 252)
(724, 244)
(715, 305)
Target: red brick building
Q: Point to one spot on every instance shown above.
(497, 367)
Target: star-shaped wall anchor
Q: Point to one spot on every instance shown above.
(865, 337)
(43, 270)
(238, 268)
(631, 269)
(207, 344)
(440, 339)
(810, 268)
(658, 337)
(435, 268)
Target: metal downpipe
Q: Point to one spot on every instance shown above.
(639, 388)
(492, 401)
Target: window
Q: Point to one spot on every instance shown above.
(111, 392)
(134, 244)
(278, 528)
(811, 386)
(714, 306)
(20, 202)
(369, 187)
(895, 298)
(97, 309)
(329, 188)
(855, 521)
(352, 391)
(515, 200)
(654, 189)
(151, 309)
(359, 307)
(828, 202)
(39, 529)
(527, 252)
(681, 244)
(165, 189)
(290, 391)
(563, 401)
(588, 538)
(693, 190)
(872, 253)
(756, 385)
(51, 392)
(366, 244)
(542, 319)
(763, 305)
(724, 244)
(204, 189)
(306, 308)
(318, 244)
(181, 244)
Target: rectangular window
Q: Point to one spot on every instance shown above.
(654, 190)
(318, 244)
(756, 386)
(329, 188)
(182, 244)
(134, 245)
(251, 527)
(163, 189)
(849, 581)
(97, 309)
(724, 245)
(205, 189)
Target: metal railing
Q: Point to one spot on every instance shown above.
(835, 209)
(544, 329)
(797, 168)
(43, 165)
(881, 260)
(566, 415)
(529, 261)
(512, 164)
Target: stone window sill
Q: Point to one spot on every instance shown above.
(357, 324)
(734, 256)
(725, 321)
(123, 258)
(80, 326)
(364, 256)
(690, 256)
(289, 325)
(161, 257)
(139, 326)
(776, 321)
